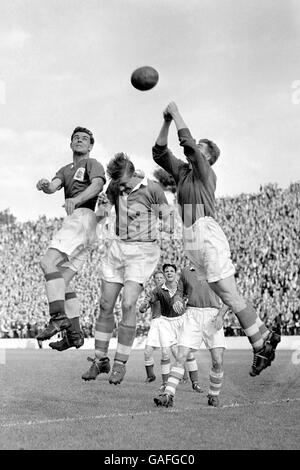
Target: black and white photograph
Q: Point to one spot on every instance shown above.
(150, 227)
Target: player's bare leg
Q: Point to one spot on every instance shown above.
(126, 330)
(264, 350)
(55, 290)
(104, 329)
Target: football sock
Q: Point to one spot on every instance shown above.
(192, 367)
(72, 309)
(247, 318)
(55, 291)
(103, 333)
(126, 335)
(215, 382)
(175, 376)
(264, 331)
(165, 369)
(149, 367)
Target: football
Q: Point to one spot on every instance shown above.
(144, 78)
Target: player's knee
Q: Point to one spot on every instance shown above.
(46, 265)
(127, 306)
(147, 355)
(105, 307)
(165, 355)
(235, 302)
(217, 365)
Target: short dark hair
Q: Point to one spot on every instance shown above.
(168, 265)
(86, 131)
(158, 272)
(213, 150)
(118, 165)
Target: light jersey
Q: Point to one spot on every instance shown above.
(137, 213)
(196, 185)
(197, 292)
(76, 178)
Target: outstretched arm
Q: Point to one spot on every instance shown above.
(47, 186)
(163, 135)
(162, 155)
(199, 163)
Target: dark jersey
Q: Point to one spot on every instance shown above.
(197, 293)
(166, 301)
(76, 178)
(196, 183)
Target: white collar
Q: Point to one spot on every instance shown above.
(142, 182)
(136, 187)
(167, 288)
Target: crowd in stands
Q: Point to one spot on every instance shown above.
(263, 230)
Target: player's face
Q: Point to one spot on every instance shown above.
(126, 182)
(159, 279)
(81, 143)
(204, 150)
(170, 274)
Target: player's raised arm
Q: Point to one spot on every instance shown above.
(49, 187)
(162, 155)
(192, 151)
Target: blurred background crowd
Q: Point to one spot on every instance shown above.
(263, 230)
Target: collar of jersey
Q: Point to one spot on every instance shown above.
(164, 287)
(137, 186)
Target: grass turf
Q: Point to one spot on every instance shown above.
(46, 405)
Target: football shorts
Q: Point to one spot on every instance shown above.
(77, 233)
(198, 325)
(130, 261)
(207, 248)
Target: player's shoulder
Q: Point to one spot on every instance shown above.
(67, 167)
(154, 186)
(93, 161)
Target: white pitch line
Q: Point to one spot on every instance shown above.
(144, 413)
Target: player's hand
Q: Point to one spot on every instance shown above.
(218, 322)
(69, 205)
(102, 199)
(178, 307)
(172, 109)
(42, 185)
(167, 116)
(143, 307)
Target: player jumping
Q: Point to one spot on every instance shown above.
(205, 243)
(82, 181)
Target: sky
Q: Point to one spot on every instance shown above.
(232, 67)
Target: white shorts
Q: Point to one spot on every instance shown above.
(198, 326)
(170, 330)
(206, 246)
(130, 261)
(153, 338)
(77, 233)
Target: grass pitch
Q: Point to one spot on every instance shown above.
(46, 405)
